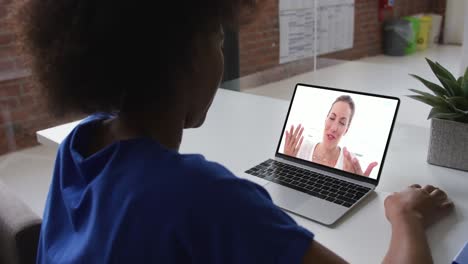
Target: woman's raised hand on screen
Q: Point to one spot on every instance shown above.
(351, 164)
(293, 140)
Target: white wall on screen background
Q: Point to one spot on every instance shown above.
(368, 132)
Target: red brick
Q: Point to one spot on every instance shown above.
(3, 10)
(6, 39)
(26, 142)
(28, 88)
(41, 102)
(8, 52)
(21, 62)
(9, 89)
(4, 118)
(7, 65)
(19, 115)
(4, 27)
(27, 100)
(8, 103)
(248, 45)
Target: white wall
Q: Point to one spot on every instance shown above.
(464, 59)
(454, 20)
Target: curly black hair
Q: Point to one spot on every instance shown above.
(114, 55)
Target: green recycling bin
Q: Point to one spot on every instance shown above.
(413, 43)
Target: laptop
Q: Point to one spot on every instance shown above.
(314, 173)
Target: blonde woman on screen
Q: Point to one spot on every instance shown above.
(328, 152)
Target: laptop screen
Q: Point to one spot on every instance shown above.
(339, 129)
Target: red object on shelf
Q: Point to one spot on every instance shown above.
(385, 5)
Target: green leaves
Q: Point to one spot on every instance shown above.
(464, 84)
(451, 86)
(439, 70)
(459, 102)
(436, 89)
(449, 101)
(443, 113)
(432, 100)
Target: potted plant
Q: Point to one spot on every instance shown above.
(448, 144)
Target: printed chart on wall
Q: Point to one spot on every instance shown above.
(335, 27)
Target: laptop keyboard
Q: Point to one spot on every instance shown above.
(316, 184)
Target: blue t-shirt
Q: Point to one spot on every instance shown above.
(136, 201)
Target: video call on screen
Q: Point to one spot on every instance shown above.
(343, 130)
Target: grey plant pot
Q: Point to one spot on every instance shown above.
(448, 145)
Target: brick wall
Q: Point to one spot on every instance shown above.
(259, 41)
(22, 112)
(22, 108)
(9, 59)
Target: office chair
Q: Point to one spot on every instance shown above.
(19, 229)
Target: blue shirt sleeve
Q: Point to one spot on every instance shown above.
(236, 222)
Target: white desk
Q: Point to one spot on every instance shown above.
(242, 130)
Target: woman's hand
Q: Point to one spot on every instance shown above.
(426, 205)
(293, 140)
(351, 164)
(410, 212)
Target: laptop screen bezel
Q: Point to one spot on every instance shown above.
(330, 169)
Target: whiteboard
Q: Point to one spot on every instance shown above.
(333, 19)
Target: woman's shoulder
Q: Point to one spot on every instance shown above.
(194, 183)
(198, 165)
(181, 168)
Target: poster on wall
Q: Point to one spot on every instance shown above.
(309, 27)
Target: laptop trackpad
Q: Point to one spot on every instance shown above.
(304, 204)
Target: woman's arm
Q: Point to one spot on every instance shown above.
(409, 213)
(408, 243)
